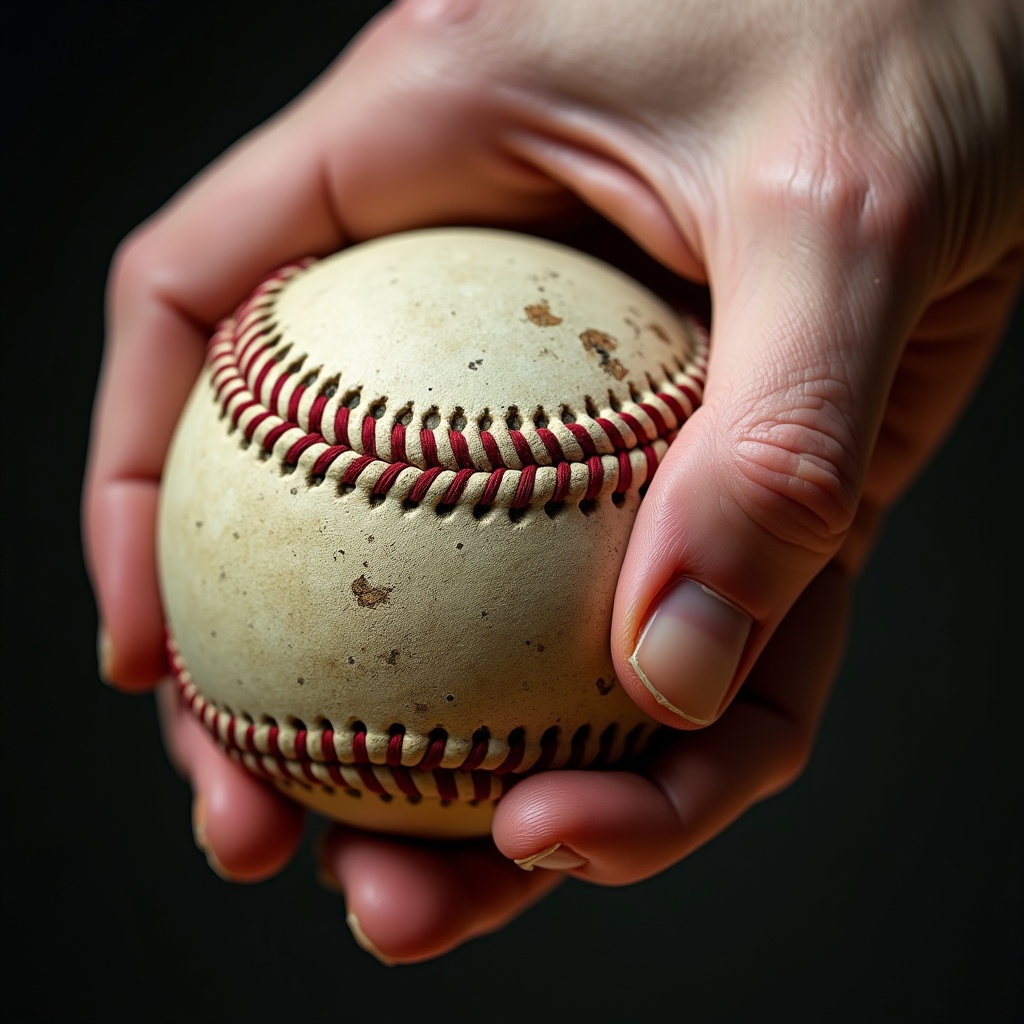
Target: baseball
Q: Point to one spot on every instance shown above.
(394, 512)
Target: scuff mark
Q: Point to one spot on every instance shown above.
(369, 596)
(602, 345)
(539, 314)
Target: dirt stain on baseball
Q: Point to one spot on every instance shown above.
(539, 314)
(368, 596)
(602, 345)
(659, 332)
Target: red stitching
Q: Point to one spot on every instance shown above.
(351, 475)
(316, 413)
(398, 442)
(293, 403)
(245, 357)
(563, 481)
(261, 377)
(435, 752)
(583, 439)
(242, 408)
(326, 457)
(419, 491)
(250, 427)
(625, 474)
(638, 432)
(359, 753)
(369, 436)
(596, 468)
(478, 752)
(394, 754)
(311, 756)
(446, 787)
(327, 745)
(613, 435)
(525, 489)
(659, 421)
(369, 780)
(387, 479)
(516, 750)
(460, 449)
(293, 453)
(481, 787)
(491, 490)
(274, 435)
(429, 449)
(341, 425)
(404, 781)
(550, 442)
(491, 448)
(522, 447)
(457, 486)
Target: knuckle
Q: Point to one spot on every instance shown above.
(833, 179)
(795, 472)
(136, 262)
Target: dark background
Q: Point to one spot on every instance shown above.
(884, 886)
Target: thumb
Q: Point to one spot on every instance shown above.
(762, 485)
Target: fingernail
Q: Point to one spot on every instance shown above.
(199, 834)
(689, 650)
(104, 654)
(555, 858)
(364, 943)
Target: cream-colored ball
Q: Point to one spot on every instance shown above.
(394, 513)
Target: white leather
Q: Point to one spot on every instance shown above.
(312, 604)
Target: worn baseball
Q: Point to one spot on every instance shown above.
(393, 516)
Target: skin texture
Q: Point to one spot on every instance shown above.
(841, 178)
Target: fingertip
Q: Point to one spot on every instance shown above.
(608, 827)
(120, 527)
(414, 901)
(247, 829)
(399, 904)
(132, 668)
(364, 942)
(250, 831)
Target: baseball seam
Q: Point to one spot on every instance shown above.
(399, 762)
(301, 418)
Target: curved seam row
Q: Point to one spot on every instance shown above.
(244, 356)
(326, 756)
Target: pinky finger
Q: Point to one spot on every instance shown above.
(409, 902)
(247, 830)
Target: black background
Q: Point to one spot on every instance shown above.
(884, 886)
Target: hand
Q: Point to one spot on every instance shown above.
(843, 179)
